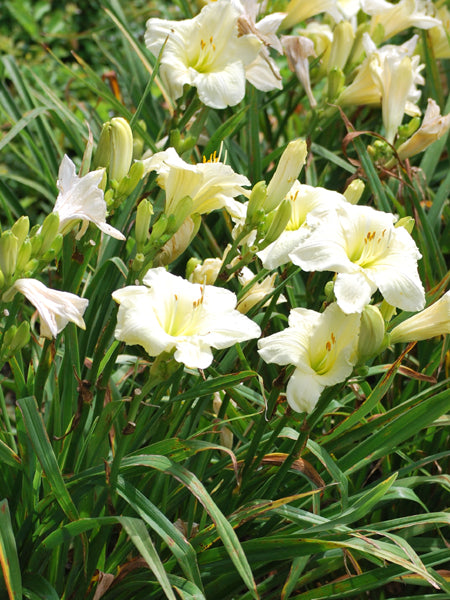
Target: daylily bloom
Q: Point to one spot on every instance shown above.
(397, 17)
(211, 185)
(205, 52)
(387, 77)
(321, 346)
(439, 35)
(431, 322)
(81, 198)
(367, 252)
(55, 308)
(168, 313)
(306, 201)
(434, 126)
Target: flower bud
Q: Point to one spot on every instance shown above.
(159, 228)
(48, 232)
(179, 241)
(183, 209)
(20, 229)
(341, 46)
(287, 171)
(354, 191)
(115, 148)
(336, 80)
(406, 222)
(371, 333)
(8, 253)
(20, 339)
(143, 218)
(23, 256)
(256, 201)
(433, 321)
(278, 224)
(130, 181)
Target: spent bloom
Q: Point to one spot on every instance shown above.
(321, 346)
(81, 199)
(55, 308)
(168, 313)
(431, 322)
(211, 185)
(434, 126)
(367, 252)
(205, 52)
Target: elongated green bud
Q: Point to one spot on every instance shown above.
(143, 218)
(256, 201)
(21, 338)
(354, 191)
(21, 228)
(182, 211)
(49, 231)
(2, 280)
(102, 155)
(115, 148)
(159, 228)
(23, 256)
(341, 46)
(130, 181)
(279, 223)
(336, 80)
(9, 247)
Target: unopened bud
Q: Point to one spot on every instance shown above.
(256, 201)
(205, 272)
(343, 38)
(8, 253)
(21, 337)
(183, 209)
(279, 223)
(20, 229)
(23, 256)
(130, 181)
(371, 333)
(336, 80)
(406, 222)
(354, 191)
(180, 240)
(159, 228)
(287, 171)
(48, 232)
(143, 218)
(115, 148)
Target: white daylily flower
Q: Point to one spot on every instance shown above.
(205, 52)
(431, 322)
(211, 185)
(400, 16)
(81, 198)
(367, 252)
(169, 313)
(321, 346)
(434, 126)
(55, 308)
(306, 201)
(387, 77)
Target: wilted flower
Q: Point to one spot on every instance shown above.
(298, 49)
(433, 321)
(211, 185)
(168, 313)
(367, 252)
(434, 126)
(81, 199)
(55, 308)
(321, 346)
(205, 52)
